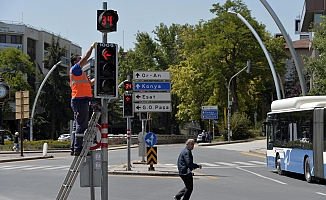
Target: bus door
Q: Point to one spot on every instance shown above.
(318, 142)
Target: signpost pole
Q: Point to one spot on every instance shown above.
(128, 143)
(104, 132)
(143, 142)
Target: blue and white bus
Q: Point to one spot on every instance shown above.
(296, 134)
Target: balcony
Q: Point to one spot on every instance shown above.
(311, 12)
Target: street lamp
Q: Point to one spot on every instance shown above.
(229, 103)
(290, 45)
(36, 98)
(265, 51)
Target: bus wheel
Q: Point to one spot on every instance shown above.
(278, 165)
(307, 172)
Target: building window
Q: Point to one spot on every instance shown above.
(31, 50)
(16, 39)
(2, 38)
(318, 19)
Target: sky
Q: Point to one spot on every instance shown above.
(76, 20)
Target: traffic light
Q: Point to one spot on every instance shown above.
(127, 86)
(128, 110)
(143, 116)
(107, 20)
(106, 71)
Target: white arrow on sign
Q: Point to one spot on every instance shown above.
(152, 75)
(151, 96)
(152, 107)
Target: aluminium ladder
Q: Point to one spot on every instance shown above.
(74, 169)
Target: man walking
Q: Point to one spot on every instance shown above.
(185, 167)
(81, 93)
(203, 135)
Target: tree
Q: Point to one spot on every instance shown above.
(215, 51)
(15, 68)
(316, 66)
(55, 98)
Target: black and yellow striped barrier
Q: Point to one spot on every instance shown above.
(151, 155)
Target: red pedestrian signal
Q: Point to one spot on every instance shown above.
(128, 86)
(128, 107)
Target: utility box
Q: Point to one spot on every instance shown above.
(90, 171)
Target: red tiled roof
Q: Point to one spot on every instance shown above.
(300, 44)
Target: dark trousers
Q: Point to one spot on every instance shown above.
(80, 124)
(187, 190)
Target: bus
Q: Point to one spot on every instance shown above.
(296, 134)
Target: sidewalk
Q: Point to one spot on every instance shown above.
(11, 156)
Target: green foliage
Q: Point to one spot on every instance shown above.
(316, 66)
(240, 127)
(55, 98)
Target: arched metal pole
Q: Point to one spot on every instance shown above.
(36, 98)
(265, 51)
(289, 43)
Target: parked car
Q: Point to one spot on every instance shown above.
(64, 137)
(199, 138)
(6, 138)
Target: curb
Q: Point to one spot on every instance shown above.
(149, 173)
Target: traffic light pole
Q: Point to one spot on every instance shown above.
(104, 140)
(128, 138)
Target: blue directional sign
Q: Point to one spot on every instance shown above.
(209, 112)
(152, 86)
(209, 116)
(150, 139)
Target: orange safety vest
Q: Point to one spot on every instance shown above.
(80, 86)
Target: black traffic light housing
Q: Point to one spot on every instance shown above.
(107, 20)
(128, 110)
(106, 71)
(127, 85)
(143, 116)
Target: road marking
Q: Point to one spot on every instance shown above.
(208, 176)
(210, 164)
(31, 168)
(227, 164)
(253, 154)
(258, 162)
(245, 163)
(321, 193)
(65, 167)
(262, 176)
(13, 167)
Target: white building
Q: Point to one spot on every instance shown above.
(34, 42)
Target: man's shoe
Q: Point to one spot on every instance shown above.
(72, 152)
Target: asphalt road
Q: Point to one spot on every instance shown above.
(229, 172)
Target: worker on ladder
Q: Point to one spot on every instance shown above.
(81, 94)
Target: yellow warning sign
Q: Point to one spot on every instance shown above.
(151, 155)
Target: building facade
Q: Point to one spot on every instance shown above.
(34, 42)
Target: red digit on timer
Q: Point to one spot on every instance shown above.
(107, 18)
(103, 20)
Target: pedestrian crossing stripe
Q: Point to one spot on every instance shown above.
(151, 155)
(227, 164)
